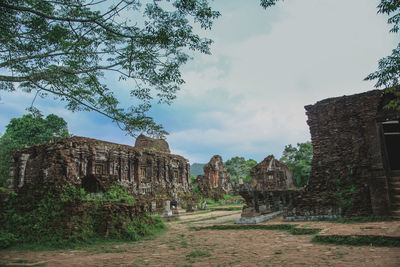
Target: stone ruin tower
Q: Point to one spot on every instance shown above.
(270, 190)
(216, 180)
(356, 164)
(271, 174)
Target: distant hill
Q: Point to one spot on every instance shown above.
(197, 168)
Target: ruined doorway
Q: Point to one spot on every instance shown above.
(91, 185)
(391, 133)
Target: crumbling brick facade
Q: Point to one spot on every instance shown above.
(271, 189)
(271, 174)
(356, 144)
(216, 180)
(96, 165)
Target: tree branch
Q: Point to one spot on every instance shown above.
(47, 16)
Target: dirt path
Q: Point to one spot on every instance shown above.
(182, 246)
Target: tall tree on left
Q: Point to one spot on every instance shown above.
(30, 129)
(63, 49)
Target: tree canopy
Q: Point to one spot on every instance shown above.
(298, 159)
(388, 73)
(29, 130)
(239, 168)
(63, 49)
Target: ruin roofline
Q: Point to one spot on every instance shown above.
(332, 100)
(82, 140)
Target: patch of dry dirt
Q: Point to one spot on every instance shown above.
(181, 246)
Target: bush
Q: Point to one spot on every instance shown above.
(60, 218)
(119, 193)
(6, 239)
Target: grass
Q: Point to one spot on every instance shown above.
(305, 231)
(291, 228)
(184, 244)
(95, 243)
(114, 250)
(198, 254)
(359, 219)
(363, 240)
(232, 208)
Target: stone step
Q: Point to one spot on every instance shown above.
(395, 204)
(392, 182)
(394, 208)
(395, 173)
(395, 190)
(396, 214)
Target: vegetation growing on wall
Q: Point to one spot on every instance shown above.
(67, 217)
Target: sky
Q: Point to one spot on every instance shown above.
(247, 98)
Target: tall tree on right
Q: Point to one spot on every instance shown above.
(388, 72)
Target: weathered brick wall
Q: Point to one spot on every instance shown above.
(103, 217)
(271, 189)
(271, 174)
(216, 180)
(146, 143)
(347, 162)
(96, 165)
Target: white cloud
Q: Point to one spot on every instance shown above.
(315, 50)
(248, 97)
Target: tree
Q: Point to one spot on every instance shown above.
(239, 168)
(388, 73)
(63, 48)
(30, 129)
(298, 159)
(268, 3)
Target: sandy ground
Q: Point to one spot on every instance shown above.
(180, 245)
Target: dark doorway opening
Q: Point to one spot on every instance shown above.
(391, 133)
(91, 185)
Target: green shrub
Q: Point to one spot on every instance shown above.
(227, 197)
(59, 218)
(119, 193)
(363, 240)
(210, 201)
(6, 239)
(196, 189)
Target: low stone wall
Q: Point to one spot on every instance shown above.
(264, 202)
(107, 219)
(312, 213)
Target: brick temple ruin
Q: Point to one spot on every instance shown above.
(147, 169)
(216, 180)
(271, 189)
(356, 163)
